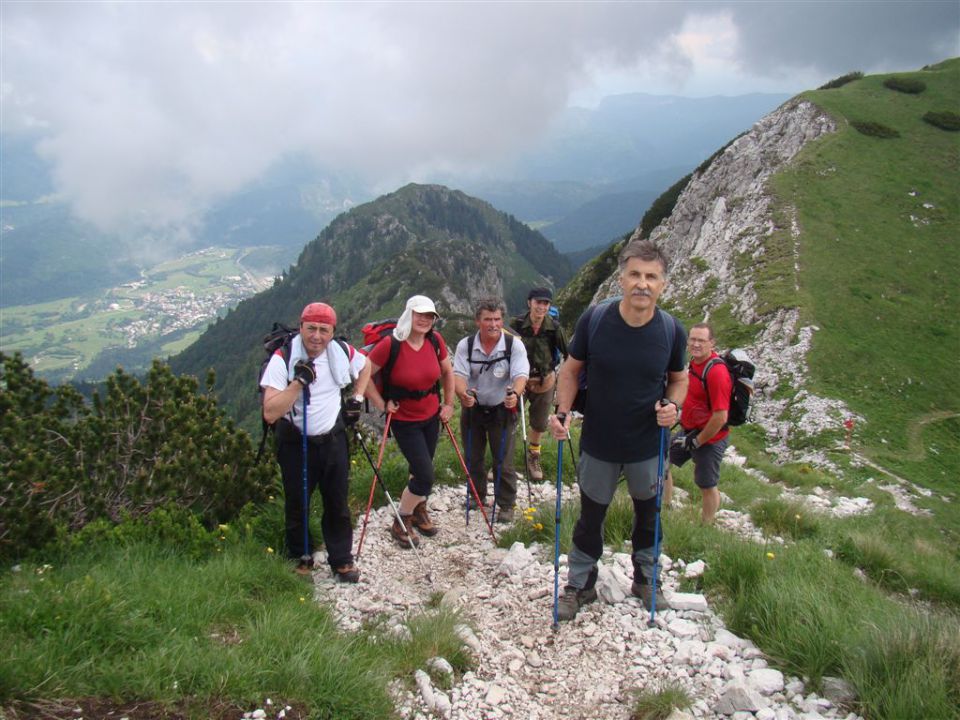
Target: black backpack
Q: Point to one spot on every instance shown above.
(280, 338)
(597, 313)
(741, 369)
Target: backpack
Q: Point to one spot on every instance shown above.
(280, 339)
(555, 314)
(596, 315)
(741, 369)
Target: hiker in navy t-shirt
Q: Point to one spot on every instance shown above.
(634, 357)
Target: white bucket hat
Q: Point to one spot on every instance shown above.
(418, 303)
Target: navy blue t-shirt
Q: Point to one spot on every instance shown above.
(626, 367)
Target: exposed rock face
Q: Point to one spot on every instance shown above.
(718, 233)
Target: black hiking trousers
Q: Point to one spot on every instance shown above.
(328, 465)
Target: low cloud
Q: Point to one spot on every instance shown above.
(150, 112)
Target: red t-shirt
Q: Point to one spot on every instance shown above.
(413, 370)
(696, 410)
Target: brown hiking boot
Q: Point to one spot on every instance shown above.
(533, 466)
(422, 521)
(347, 573)
(405, 535)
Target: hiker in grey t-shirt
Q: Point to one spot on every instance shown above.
(490, 370)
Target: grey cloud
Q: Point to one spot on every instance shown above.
(154, 110)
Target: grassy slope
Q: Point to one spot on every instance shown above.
(882, 286)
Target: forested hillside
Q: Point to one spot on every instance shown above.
(367, 262)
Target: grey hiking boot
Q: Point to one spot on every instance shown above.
(505, 515)
(533, 466)
(569, 604)
(644, 591)
(347, 573)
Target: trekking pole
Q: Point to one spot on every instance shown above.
(373, 483)
(393, 506)
(306, 559)
(470, 484)
(469, 421)
(556, 537)
(523, 422)
(656, 524)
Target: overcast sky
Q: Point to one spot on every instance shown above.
(150, 111)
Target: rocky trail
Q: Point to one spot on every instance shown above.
(590, 667)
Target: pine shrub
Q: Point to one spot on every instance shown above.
(141, 446)
(945, 120)
(911, 86)
(874, 129)
(842, 80)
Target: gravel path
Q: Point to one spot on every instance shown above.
(590, 667)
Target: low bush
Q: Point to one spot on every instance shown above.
(659, 704)
(842, 80)
(911, 86)
(139, 447)
(945, 120)
(786, 518)
(874, 129)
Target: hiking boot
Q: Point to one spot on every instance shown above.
(644, 591)
(569, 604)
(347, 573)
(533, 466)
(505, 515)
(422, 521)
(405, 535)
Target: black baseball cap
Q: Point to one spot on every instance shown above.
(540, 293)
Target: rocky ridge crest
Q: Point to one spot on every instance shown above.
(717, 235)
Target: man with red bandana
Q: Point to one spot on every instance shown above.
(318, 368)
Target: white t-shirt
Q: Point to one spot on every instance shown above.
(324, 405)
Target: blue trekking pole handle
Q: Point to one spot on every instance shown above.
(656, 525)
(556, 538)
(306, 496)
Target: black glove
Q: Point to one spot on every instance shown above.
(304, 373)
(351, 412)
(691, 441)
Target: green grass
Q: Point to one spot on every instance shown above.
(878, 270)
(144, 621)
(659, 703)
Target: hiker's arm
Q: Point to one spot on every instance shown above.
(371, 392)
(676, 392)
(567, 383)
(713, 426)
(449, 389)
(363, 379)
(277, 403)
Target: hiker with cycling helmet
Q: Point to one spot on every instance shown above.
(318, 370)
(414, 364)
(705, 434)
(633, 354)
(545, 343)
(490, 370)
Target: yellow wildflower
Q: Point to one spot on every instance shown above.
(770, 556)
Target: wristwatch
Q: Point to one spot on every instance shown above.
(358, 398)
